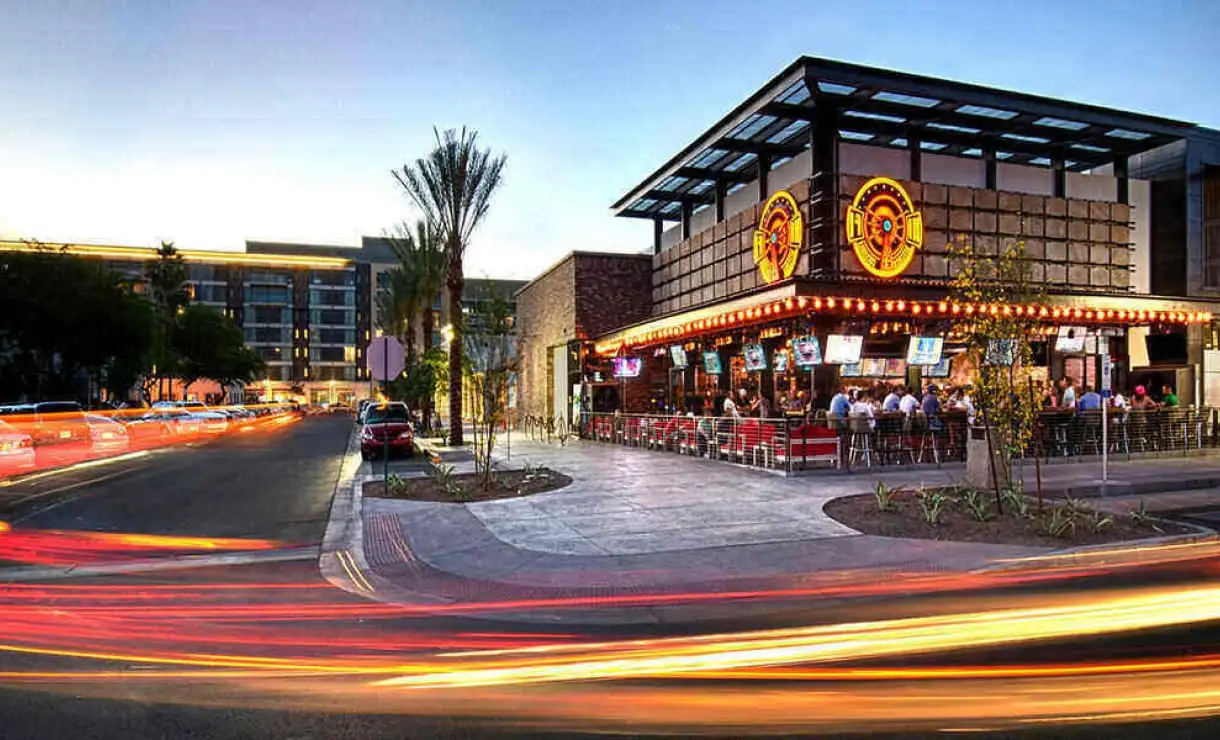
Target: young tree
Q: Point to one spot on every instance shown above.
(491, 346)
(166, 279)
(453, 186)
(209, 345)
(998, 341)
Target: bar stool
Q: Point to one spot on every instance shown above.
(927, 436)
(861, 440)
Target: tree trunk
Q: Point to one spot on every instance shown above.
(409, 339)
(429, 323)
(455, 284)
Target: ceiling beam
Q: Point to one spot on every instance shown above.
(759, 147)
(705, 173)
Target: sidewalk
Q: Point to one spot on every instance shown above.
(636, 521)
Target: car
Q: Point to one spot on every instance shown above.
(386, 427)
(60, 434)
(107, 435)
(180, 423)
(16, 450)
(360, 408)
(148, 430)
(212, 422)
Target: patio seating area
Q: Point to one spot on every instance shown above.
(827, 441)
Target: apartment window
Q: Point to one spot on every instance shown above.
(1211, 227)
(335, 336)
(268, 294)
(277, 372)
(327, 354)
(332, 277)
(332, 372)
(266, 335)
(268, 276)
(268, 315)
(272, 354)
(201, 272)
(332, 317)
(332, 298)
(210, 293)
(383, 281)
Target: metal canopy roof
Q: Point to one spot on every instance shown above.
(891, 109)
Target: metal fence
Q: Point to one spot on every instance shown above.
(825, 441)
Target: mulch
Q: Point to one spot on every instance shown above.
(862, 513)
(468, 487)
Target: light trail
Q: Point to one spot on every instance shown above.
(873, 665)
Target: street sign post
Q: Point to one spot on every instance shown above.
(385, 358)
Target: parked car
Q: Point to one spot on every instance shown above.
(58, 429)
(179, 422)
(16, 450)
(107, 435)
(212, 422)
(386, 422)
(149, 430)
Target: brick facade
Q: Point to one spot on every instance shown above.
(586, 294)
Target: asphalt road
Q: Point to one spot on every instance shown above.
(271, 484)
(278, 486)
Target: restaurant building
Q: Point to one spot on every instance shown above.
(802, 241)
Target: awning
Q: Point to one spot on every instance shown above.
(805, 299)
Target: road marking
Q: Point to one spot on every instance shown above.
(73, 468)
(52, 573)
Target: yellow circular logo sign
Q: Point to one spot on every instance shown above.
(883, 227)
(777, 240)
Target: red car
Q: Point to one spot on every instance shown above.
(387, 421)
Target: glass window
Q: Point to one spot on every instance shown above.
(332, 317)
(388, 412)
(268, 294)
(268, 276)
(268, 315)
(272, 354)
(266, 335)
(335, 336)
(332, 298)
(201, 272)
(332, 277)
(326, 354)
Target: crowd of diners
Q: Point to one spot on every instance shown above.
(1066, 395)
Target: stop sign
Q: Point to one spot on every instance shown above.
(385, 358)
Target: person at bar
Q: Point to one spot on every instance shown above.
(931, 407)
(840, 405)
(1090, 401)
(863, 406)
(1067, 401)
(1169, 399)
(1141, 400)
(893, 401)
(909, 403)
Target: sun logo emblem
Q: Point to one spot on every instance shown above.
(884, 228)
(778, 238)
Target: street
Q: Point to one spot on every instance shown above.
(278, 486)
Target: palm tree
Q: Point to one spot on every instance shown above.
(453, 186)
(397, 307)
(421, 254)
(165, 277)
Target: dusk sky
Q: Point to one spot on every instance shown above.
(210, 123)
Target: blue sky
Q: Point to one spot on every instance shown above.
(214, 122)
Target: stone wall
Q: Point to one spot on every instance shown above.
(613, 291)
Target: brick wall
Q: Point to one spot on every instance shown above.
(612, 291)
(582, 297)
(546, 316)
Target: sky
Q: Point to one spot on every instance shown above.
(213, 123)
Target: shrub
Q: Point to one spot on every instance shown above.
(932, 505)
(886, 496)
(1142, 518)
(1016, 501)
(976, 504)
(1058, 522)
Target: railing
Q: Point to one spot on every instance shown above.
(1060, 435)
(826, 441)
